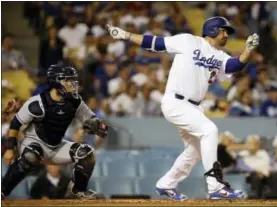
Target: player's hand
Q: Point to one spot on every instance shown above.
(9, 156)
(252, 42)
(116, 32)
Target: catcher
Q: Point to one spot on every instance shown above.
(47, 117)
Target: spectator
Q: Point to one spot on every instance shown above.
(117, 85)
(65, 11)
(51, 49)
(127, 104)
(12, 58)
(226, 156)
(263, 82)
(256, 161)
(104, 75)
(150, 107)
(73, 34)
(242, 106)
(89, 16)
(273, 175)
(142, 70)
(269, 106)
(42, 84)
(157, 94)
(157, 28)
(130, 55)
(99, 30)
(242, 83)
(95, 106)
(50, 185)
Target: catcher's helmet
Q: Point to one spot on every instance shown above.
(58, 73)
(212, 25)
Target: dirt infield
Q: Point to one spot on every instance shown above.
(139, 203)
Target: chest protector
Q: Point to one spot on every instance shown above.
(57, 118)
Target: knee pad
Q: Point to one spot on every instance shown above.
(81, 152)
(31, 156)
(82, 155)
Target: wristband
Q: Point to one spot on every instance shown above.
(11, 142)
(129, 38)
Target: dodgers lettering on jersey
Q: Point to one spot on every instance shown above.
(196, 65)
(209, 63)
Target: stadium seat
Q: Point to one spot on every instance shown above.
(92, 184)
(20, 192)
(194, 187)
(110, 155)
(98, 169)
(198, 170)
(4, 168)
(146, 186)
(30, 182)
(115, 186)
(156, 153)
(155, 167)
(121, 168)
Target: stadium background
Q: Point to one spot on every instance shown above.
(124, 85)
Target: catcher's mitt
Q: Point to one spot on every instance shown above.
(95, 126)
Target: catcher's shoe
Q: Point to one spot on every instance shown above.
(87, 195)
(227, 193)
(173, 194)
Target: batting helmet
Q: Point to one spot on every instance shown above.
(212, 25)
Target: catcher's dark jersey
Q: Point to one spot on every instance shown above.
(48, 120)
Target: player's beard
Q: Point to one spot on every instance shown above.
(223, 42)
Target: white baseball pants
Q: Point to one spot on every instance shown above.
(200, 136)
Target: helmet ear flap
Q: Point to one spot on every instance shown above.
(214, 31)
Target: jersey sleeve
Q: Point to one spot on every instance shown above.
(222, 73)
(83, 112)
(30, 110)
(177, 44)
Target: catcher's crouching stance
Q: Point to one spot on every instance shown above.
(47, 117)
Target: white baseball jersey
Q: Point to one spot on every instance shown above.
(196, 65)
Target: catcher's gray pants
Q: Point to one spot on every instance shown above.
(58, 155)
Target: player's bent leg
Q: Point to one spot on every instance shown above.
(29, 159)
(193, 120)
(82, 155)
(180, 170)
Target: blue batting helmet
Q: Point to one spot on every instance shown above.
(212, 25)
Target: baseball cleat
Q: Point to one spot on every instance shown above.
(88, 195)
(226, 193)
(173, 194)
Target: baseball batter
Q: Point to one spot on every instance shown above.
(47, 117)
(198, 62)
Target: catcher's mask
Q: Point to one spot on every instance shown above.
(64, 79)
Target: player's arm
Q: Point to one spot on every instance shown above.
(91, 123)
(237, 64)
(30, 110)
(173, 44)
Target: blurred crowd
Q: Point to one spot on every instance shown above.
(118, 78)
(256, 157)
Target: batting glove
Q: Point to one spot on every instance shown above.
(116, 32)
(252, 42)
